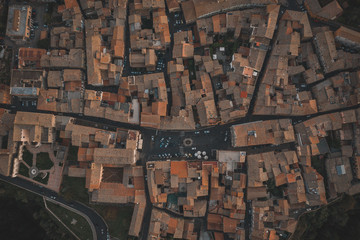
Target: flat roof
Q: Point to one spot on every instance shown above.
(18, 16)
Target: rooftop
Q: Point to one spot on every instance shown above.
(18, 21)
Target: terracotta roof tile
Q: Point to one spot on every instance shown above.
(229, 225)
(172, 225)
(179, 168)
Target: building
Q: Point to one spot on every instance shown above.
(276, 185)
(64, 92)
(329, 11)
(179, 186)
(76, 171)
(19, 23)
(5, 97)
(163, 224)
(231, 158)
(6, 142)
(137, 218)
(144, 59)
(278, 93)
(348, 37)
(315, 187)
(195, 9)
(157, 36)
(109, 159)
(262, 133)
(26, 83)
(183, 50)
(29, 58)
(227, 208)
(336, 92)
(339, 175)
(34, 127)
(324, 42)
(74, 58)
(173, 6)
(300, 18)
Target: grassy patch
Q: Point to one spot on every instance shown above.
(43, 161)
(5, 73)
(146, 23)
(336, 221)
(28, 157)
(319, 165)
(118, 218)
(72, 155)
(3, 17)
(228, 42)
(333, 141)
(44, 43)
(73, 189)
(47, 18)
(350, 15)
(23, 170)
(75, 222)
(5, 141)
(23, 216)
(275, 191)
(39, 178)
(323, 3)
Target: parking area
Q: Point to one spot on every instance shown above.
(176, 21)
(166, 146)
(37, 26)
(28, 103)
(39, 15)
(160, 64)
(189, 145)
(178, 18)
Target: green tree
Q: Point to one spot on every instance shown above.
(44, 43)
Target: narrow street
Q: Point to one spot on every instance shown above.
(165, 144)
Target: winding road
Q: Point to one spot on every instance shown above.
(95, 220)
(202, 141)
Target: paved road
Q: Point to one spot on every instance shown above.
(202, 141)
(52, 213)
(97, 221)
(205, 139)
